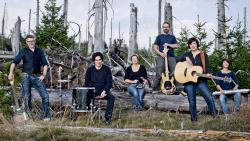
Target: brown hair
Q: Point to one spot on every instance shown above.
(133, 56)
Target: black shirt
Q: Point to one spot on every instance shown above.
(32, 61)
(129, 74)
(100, 79)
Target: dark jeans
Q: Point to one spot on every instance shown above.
(110, 102)
(29, 81)
(190, 89)
(160, 68)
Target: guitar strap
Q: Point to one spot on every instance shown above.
(203, 61)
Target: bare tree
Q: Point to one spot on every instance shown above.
(37, 14)
(98, 36)
(245, 24)
(65, 12)
(133, 31)
(3, 21)
(159, 17)
(221, 23)
(168, 16)
(29, 21)
(15, 36)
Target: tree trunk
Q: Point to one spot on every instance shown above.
(3, 21)
(90, 44)
(133, 31)
(37, 14)
(159, 17)
(221, 24)
(29, 22)
(99, 44)
(245, 24)
(65, 10)
(168, 16)
(15, 36)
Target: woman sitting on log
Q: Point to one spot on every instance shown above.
(136, 77)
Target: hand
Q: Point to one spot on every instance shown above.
(41, 77)
(163, 54)
(209, 75)
(135, 81)
(235, 88)
(189, 61)
(222, 91)
(10, 76)
(166, 45)
(103, 94)
(145, 81)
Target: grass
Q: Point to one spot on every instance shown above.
(128, 118)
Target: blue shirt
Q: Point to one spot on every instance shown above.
(32, 61)
(165, 38)
(226, 85)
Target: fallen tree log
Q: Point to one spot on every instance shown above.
(191, 134)
(156, 101)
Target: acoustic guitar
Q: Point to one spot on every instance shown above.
(167, 84)
(184, 72)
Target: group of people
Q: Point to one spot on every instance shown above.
(99, 75)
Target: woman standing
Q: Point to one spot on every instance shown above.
(136, 77)
(196, 57)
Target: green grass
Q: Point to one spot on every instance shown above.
(128, 118)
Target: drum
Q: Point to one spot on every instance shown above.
(80, 96)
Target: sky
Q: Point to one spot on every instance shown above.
(184, 11)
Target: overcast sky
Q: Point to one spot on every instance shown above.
(185, 11)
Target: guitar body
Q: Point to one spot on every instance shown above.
(184, 72)
(167, 84)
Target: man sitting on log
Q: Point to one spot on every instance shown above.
(100, 77)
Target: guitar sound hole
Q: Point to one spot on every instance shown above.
(168, 85)
(193, 73)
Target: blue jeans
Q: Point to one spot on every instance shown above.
(223, 101)
(190, 88)
(138, 94)
(27, 82)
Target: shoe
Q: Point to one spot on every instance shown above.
(108, 120)
(46, 119)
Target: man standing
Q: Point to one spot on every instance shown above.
(100, 77)
(164, 40)
(33, 58)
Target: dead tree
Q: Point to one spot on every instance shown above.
(98, 36)
(133, 31)
(90, 43)
(221, 23)
(168, 16)
(3, 21)
(29, 21)
(159, 17)
(37, 14)
(245, 24)
(65, 12)
(15, 36)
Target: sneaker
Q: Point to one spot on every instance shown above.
(46, 119)
(108, 121)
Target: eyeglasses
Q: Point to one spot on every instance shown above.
(30, 41)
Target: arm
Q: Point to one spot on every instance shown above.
(87, 82)
(126, 77)
(109, 79)
(174, 46)
(156, 49)
(45, 65)
(14, 63)
(236, 81)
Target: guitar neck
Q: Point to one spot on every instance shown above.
(212, 77)
(166, 68)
